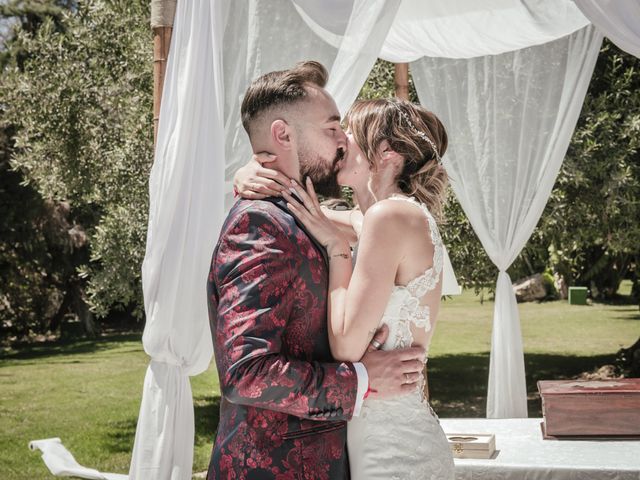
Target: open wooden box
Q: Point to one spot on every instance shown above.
(594, 408)
(465, 445)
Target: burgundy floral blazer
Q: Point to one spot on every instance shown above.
(285, 401)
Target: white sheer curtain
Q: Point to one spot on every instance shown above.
(358, 29)
(619, 20)
(510, 118)
(472, 28)
(185, 215)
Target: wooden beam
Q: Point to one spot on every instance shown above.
(162, 16)
(402, 80)
(161, 43)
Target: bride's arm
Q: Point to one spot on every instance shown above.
(342, 219)
(356, 304)
(359, 307)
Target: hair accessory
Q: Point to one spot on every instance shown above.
(421, 134)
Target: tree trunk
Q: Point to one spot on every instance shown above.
(56, 321)
(628, 360)
(81, 309)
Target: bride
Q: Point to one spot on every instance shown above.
(394, 167)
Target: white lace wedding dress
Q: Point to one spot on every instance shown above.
(401, 438)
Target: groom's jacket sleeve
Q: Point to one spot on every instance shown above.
(257, 289)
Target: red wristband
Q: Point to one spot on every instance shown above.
(369, 390)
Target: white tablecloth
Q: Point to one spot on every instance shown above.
(523, 454)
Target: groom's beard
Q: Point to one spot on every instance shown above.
(323, 174)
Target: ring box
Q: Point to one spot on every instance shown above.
(472, 445)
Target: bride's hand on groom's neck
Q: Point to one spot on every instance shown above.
(256, 180)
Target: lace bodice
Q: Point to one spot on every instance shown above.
(405, 304)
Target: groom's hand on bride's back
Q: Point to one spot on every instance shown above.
(395, 372)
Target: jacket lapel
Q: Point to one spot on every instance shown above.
(282, 205)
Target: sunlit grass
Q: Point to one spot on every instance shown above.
(88, 392)
(560, 341)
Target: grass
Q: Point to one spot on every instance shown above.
(560, 341)
(88, 392)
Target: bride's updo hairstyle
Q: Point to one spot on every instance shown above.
(413, 132)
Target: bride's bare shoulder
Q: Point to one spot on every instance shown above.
(394, 218)
(393, 210)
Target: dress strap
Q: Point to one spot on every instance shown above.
(426, 282)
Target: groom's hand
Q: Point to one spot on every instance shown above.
(392, 373)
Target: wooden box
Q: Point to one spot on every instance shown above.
(602, 408)
(465, 445)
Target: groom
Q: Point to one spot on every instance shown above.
(285, 400)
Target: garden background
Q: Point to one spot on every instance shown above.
(76, 148)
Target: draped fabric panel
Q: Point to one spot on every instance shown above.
(470, 28)
(359, 48)
(185, 215)
(510, 119)
(618, 20)
(454, 28)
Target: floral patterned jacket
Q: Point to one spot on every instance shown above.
(285, 401)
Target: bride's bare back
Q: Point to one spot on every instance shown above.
(421, 271)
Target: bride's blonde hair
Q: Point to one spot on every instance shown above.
(413, 132)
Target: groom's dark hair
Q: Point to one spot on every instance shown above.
(282, 88)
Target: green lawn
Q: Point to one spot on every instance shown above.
(88, 392)
(560, 341)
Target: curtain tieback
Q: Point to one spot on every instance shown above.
(168, 361)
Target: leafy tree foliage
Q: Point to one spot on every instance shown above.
(590, 224)
(33, 241)
(76, 138)
(80, 106)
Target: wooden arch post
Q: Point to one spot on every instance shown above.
(401, 75)
(162, 14)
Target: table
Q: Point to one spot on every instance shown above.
(523, 454)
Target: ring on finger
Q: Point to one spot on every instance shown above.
(407, 378)
(376, 344)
